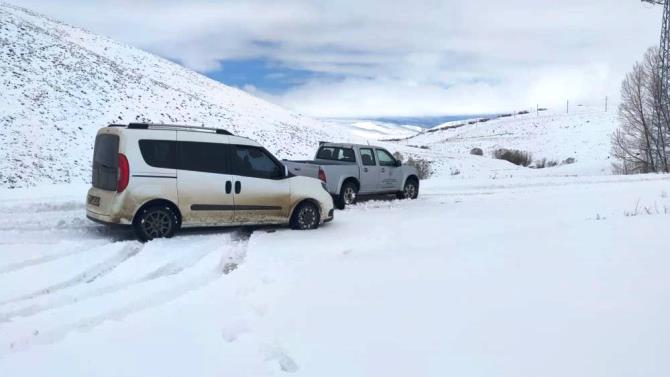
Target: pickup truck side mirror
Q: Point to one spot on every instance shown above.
(398, 163)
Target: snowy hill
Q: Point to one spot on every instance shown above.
(61, 83)
(375, 129)
(583, 135)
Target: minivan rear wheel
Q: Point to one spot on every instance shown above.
(305, 217)
(155, 222)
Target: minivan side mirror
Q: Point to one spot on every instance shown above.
(285, 171)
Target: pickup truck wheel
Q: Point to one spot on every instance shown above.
(347, 196)
(305, 217)
(155, 222)
(410, 191)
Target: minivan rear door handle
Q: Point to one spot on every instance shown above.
(238, 187)
(229, 187)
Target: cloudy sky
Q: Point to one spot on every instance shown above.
(359, 58)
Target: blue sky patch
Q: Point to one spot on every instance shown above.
(266, 75)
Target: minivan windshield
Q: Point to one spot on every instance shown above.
(105, 162)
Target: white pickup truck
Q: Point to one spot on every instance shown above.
(350, 170)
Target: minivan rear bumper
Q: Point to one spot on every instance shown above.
(104, 219)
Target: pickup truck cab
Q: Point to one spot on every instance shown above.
(350, 170)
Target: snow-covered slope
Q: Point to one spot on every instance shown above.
(61, 83)
(583, 134)
(376, 130)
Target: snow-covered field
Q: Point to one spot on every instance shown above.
(496, 270)
(508, 277)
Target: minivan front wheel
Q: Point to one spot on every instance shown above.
(155, 222)
(305, 217)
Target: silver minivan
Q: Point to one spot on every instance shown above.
(159, 178)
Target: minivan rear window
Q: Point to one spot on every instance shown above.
(105, 162)
(159, 153)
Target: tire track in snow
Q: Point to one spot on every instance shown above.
(88, 276)
(230, 258)
(171, 268)
(12, 267)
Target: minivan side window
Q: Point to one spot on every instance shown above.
(385, 158)
(254, 162)
(203, 157)
(159, 153)
(367, 157)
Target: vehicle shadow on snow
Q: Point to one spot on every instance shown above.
(126, 233)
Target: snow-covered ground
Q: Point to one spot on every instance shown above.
(554, 276)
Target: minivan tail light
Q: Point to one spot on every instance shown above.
(123, 173)
(322, 175)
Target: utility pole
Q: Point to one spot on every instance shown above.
(567, 107)
(606, 103)
(664, 50)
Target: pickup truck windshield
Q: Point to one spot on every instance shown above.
(336, 154)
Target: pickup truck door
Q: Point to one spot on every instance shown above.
(390, 174)
(369, 171)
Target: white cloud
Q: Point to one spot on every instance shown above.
(406, 56)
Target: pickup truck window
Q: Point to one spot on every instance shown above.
(336, 154)
(367, 157)
(385, 158)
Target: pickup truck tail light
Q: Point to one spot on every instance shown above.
(322, 175)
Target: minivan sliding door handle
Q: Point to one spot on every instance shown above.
(238, 187)
(229, 187)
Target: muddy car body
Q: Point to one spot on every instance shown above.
(158, 178)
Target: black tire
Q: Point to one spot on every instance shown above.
(348, 195)
(155, 222)
(306, 216)
(411, 190)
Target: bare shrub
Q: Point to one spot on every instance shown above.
(477, 152)
(398, 156)
(568, 161)
(514, 156)
(423, 167)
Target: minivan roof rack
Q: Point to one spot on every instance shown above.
(146, 126)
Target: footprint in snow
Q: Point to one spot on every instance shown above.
(285, 362)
